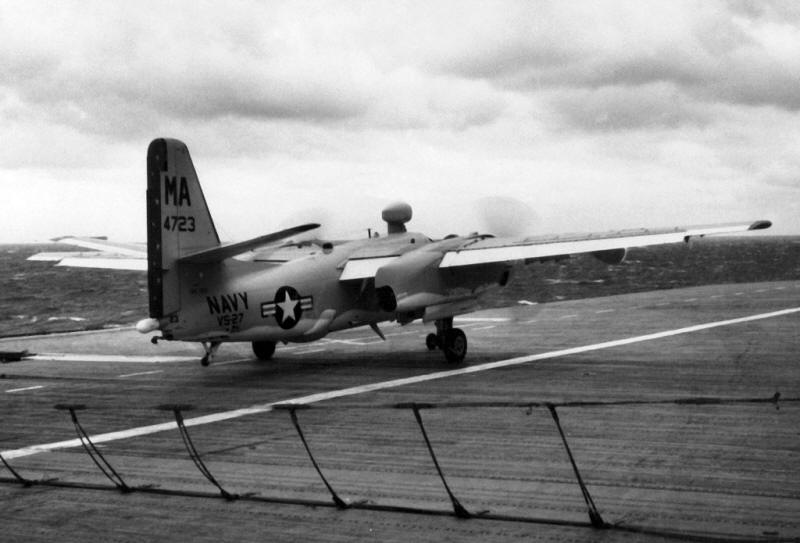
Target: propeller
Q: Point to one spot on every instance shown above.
(506, 216)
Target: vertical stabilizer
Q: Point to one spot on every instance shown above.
(178, 221)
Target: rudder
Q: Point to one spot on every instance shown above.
(178, 221)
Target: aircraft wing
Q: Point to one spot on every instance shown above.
(132, 256)
(104, 254)
(608, 246)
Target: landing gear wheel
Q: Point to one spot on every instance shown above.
(264, 349)
(211, 349)
(432, 342)
(455, 345)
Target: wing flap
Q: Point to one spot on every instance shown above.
(363, 268)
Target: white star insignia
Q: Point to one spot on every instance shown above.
(287, 306)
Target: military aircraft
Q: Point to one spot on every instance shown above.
(274, 289)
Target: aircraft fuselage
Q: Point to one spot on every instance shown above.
(304, 299)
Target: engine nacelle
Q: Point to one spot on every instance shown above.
(411, 282)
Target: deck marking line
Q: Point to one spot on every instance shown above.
(482, 319)
(68, 334)
(323, 349)
(236, 361)
(605, 311)
(62, 357)
(361, 389)
(25, 388)
(140, 373)
(357, 340)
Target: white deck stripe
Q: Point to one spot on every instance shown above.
(236, 361)
(322, 396)
(26, 388)
(61, 357)
(140, 373)
(68, 334)
(482, 319)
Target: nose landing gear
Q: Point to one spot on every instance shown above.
(452, 341)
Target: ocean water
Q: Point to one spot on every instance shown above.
(38, 297)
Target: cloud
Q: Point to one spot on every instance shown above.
(127, 69)
(652, 105)
(592, 113)
(709, 53)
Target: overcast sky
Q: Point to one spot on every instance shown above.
(595, 115)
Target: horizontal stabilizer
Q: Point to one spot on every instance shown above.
(218, 254)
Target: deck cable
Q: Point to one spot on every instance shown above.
(594, 515)
(91, 449)
(340, 503)
(17, 476)
(459, 510)
(190, 448)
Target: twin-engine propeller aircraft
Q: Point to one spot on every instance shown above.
(269, 289)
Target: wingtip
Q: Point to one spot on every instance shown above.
(760, 225)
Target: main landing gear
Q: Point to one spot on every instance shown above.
(264, 349)
(452, 341)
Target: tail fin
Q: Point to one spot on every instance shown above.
(178, 221)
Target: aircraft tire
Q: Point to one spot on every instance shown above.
(432, 342)
(455, 345)
(264, 349)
